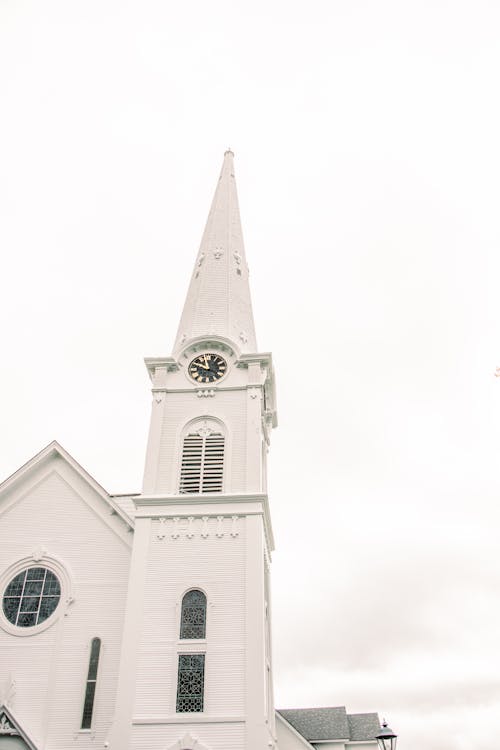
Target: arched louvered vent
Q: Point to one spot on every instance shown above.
(202, 465)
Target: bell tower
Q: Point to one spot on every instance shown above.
(195, 668)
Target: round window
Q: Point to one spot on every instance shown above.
(31, 597)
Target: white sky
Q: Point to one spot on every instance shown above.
(368, 160)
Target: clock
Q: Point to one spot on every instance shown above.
(207, 368)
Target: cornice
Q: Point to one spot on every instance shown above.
(152, 505)
(212, 387)
(216, 497)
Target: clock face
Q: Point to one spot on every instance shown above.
(207, 368)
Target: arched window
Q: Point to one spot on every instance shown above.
(194, 615)
(88, 704)
(202, 464)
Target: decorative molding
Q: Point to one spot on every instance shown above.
(159, 396)
(234, 526)
(204, 430)
(188, 742)
(188, 526)
(5, 726)
(220, 527)
(175, 531)
(204, 527)
(9, 726)
(161, 530)
(38, 553)
(205, 394)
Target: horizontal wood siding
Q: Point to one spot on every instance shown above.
(180, 408)
(50, 667)
(224, 736)
(215, 565)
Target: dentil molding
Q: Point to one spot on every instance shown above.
(189, 527)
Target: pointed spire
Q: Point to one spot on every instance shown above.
(218, 300)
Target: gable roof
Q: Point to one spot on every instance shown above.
(10, 727)
(54, 449)
(363, 726)
(332, 723)
(300, 738)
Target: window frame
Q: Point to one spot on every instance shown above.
(55, 566)
(190, 652)
(216, 426)
(96, 681)
(203, 638)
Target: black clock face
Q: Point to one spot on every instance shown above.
(207, 368)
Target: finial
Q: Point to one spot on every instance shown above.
(229, 152)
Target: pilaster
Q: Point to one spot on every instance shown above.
(257, 731)
(120, 733)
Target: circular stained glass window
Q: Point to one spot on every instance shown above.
(31, 597)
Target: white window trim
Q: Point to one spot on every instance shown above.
(42, 560)
(216, 425)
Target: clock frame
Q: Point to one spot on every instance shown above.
(207, 368)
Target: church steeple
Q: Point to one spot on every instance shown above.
(218, 300)
(203, 525)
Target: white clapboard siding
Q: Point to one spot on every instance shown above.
(216, 565)
(226, 736)
(50, 667)
(180, 409)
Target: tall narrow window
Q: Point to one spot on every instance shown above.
(88, 705)
(194, 615)
(202, 464)
(190, 683)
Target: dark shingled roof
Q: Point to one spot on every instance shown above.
(316, 724)
(363, 726)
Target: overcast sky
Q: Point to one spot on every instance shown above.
(367, 160)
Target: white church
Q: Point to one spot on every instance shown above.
(143, 622)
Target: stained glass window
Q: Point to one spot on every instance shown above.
(190, 683)
(31, 597)
(88, 705)
(194, 615)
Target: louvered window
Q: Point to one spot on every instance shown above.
(202, 465)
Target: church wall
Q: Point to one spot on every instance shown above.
(216, 565)
(50, 667)
(225, 736)
(180, 408)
